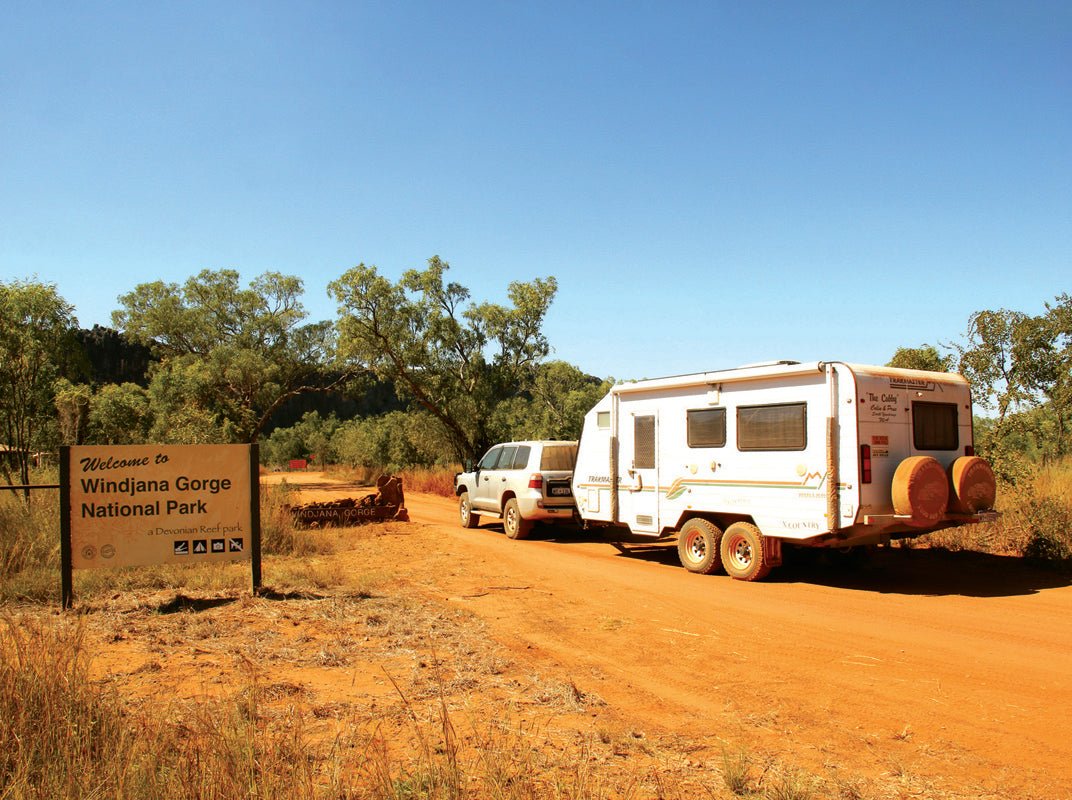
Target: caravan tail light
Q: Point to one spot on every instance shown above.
(969, 450)
(536, 481)
(865, 463)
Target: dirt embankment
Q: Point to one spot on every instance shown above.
(922, 672)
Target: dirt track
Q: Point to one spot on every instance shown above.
(962, 667)
(954, 667)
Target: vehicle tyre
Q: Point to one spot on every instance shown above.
(921, 490)
(698, 546)
(972, 485)
(469, 518)
(742, 552)
(515, 526)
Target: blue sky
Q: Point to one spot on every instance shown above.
(712, 183)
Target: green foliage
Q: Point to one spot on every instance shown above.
(72, 407)
(312, 437)
(120, 414)
(229, 356)
(554, 408)
(36, 327)
(393, 442)
(456, 359)
(925, 357)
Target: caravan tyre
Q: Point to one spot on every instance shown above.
(972, 485)
(465, 512)
(920, 490)
(742, 552)
(515, 526)
(698, 546)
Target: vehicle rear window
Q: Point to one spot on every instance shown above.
(559, 456)
(934, 426)
(776, 427)
(706, 427)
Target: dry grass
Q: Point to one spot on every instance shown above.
(455, 715)
(1035, 522)
(425, 480)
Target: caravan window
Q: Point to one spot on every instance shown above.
(706, 427)
(934, 426)
(644, 443)
(776, 427)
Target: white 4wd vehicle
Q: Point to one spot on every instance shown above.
(522, 482)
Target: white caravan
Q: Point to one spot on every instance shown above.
(821, 454)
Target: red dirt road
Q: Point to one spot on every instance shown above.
(943, 674)
(953, 667)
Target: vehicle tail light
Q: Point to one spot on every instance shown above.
(865, 463)
(536, 481)
(969, 450)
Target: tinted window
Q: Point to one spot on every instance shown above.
(706, 427)
(506, 458)
(559, 456)
(643, 442)
(778, 427)
(521, 457)
(934, 426)
(489, 460)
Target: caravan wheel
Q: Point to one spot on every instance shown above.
(698, 546)
(742, 552)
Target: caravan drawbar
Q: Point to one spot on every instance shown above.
(738, 462)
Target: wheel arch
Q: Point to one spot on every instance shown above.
(720, 519)
(506, 498)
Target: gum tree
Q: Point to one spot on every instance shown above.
(229, 357)
(457, 359)
(36, 330)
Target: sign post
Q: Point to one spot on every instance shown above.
(158, 504)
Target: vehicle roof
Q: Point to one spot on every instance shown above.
(774, 369)
(531, 442)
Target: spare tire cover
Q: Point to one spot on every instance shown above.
(972, 484)
(920, 490)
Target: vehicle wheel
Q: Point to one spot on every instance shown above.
(515, 526)
(742, 552)
(698, 546)
(465, 511)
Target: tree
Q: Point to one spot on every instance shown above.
(992, 360)
(35, 330)
(553, 408)
(456, 359)
(119, 413)
(72, 407)
(229, 357)
(925, 357)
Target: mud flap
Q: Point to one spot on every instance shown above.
(772, 551)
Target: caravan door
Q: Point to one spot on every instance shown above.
(639, 494)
